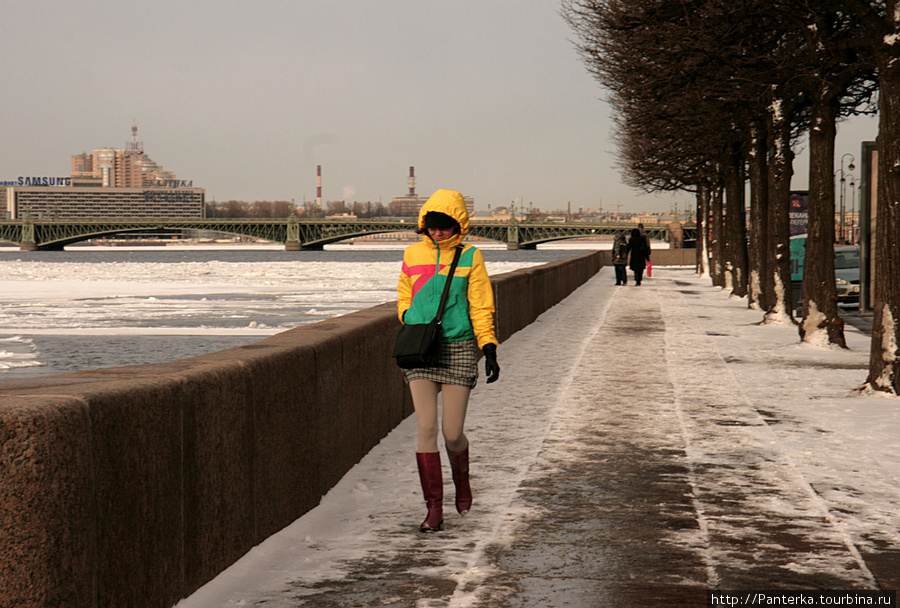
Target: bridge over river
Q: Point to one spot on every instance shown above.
(32, 234)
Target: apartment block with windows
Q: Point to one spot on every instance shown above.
(116, 168)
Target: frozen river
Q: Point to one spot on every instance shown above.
(92, 307)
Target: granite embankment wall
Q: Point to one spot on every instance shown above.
(134, 486)
(660, 257)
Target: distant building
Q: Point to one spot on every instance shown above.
(406, 206)
(125, 167)
(645, 218)
(480, 216)
(106, 183)
(115, 168)
(409, 205)
(85, 202)
(504, 214)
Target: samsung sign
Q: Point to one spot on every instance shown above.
(45, 181)
(67, 181)
(40, 181)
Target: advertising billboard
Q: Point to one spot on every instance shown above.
(799, 212)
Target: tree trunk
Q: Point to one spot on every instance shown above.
(717, 238)
(884, 360)
(735, 222)
(821, 320)
(780, 172)
(702, 241)
(757, 259)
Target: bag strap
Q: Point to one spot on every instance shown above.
(440, 310)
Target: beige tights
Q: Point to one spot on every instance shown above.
(455, 402)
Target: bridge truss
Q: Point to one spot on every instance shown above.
(296, 234)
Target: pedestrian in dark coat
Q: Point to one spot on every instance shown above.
(639, 250)
(620, 258)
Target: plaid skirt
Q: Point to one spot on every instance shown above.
(457, 365)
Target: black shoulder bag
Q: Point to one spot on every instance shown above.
(419, 344)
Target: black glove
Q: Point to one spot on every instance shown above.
(491, 369)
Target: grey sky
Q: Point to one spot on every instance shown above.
(484, 96)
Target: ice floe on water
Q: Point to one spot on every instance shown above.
(48, 300)
(18, 352)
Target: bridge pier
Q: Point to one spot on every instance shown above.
(36, 247)
(296, 246)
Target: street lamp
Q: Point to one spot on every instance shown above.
(850, 167)
(852, 210)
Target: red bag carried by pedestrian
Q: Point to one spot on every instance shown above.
(649, 268)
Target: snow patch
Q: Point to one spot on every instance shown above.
(755, 288)
(888, 348)
(778, 315)
(814, 332)
(775, 109)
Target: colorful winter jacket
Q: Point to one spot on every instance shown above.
(469, 311)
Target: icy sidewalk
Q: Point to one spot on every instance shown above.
(642, 443)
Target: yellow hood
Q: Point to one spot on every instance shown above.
(451, 203)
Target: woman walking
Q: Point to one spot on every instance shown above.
(467, 324)
(620, 258)
(639, 248)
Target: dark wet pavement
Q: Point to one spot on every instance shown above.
(629, 518)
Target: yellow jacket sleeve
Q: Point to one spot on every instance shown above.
(481, 302)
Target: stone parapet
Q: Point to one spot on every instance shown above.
(660, 257)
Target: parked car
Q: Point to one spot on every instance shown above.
(846, 270)
(846, 273)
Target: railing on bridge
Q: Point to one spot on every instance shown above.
(296, 233)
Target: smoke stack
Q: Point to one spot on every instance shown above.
(318, 186)
(412, 181)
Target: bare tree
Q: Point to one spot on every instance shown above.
(283, 208)
(674, 126)
(686, 80)
(837, 70)
(336, 208)
(709, 92)
(758, 294)
(881, 20)
(717, 236)
(735, 220)
(702, 240)
(234, 209)
(261, 209)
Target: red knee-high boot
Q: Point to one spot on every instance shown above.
(433, 489)
(459, 466)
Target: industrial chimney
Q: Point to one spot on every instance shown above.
(318, 186)
(412, 182)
